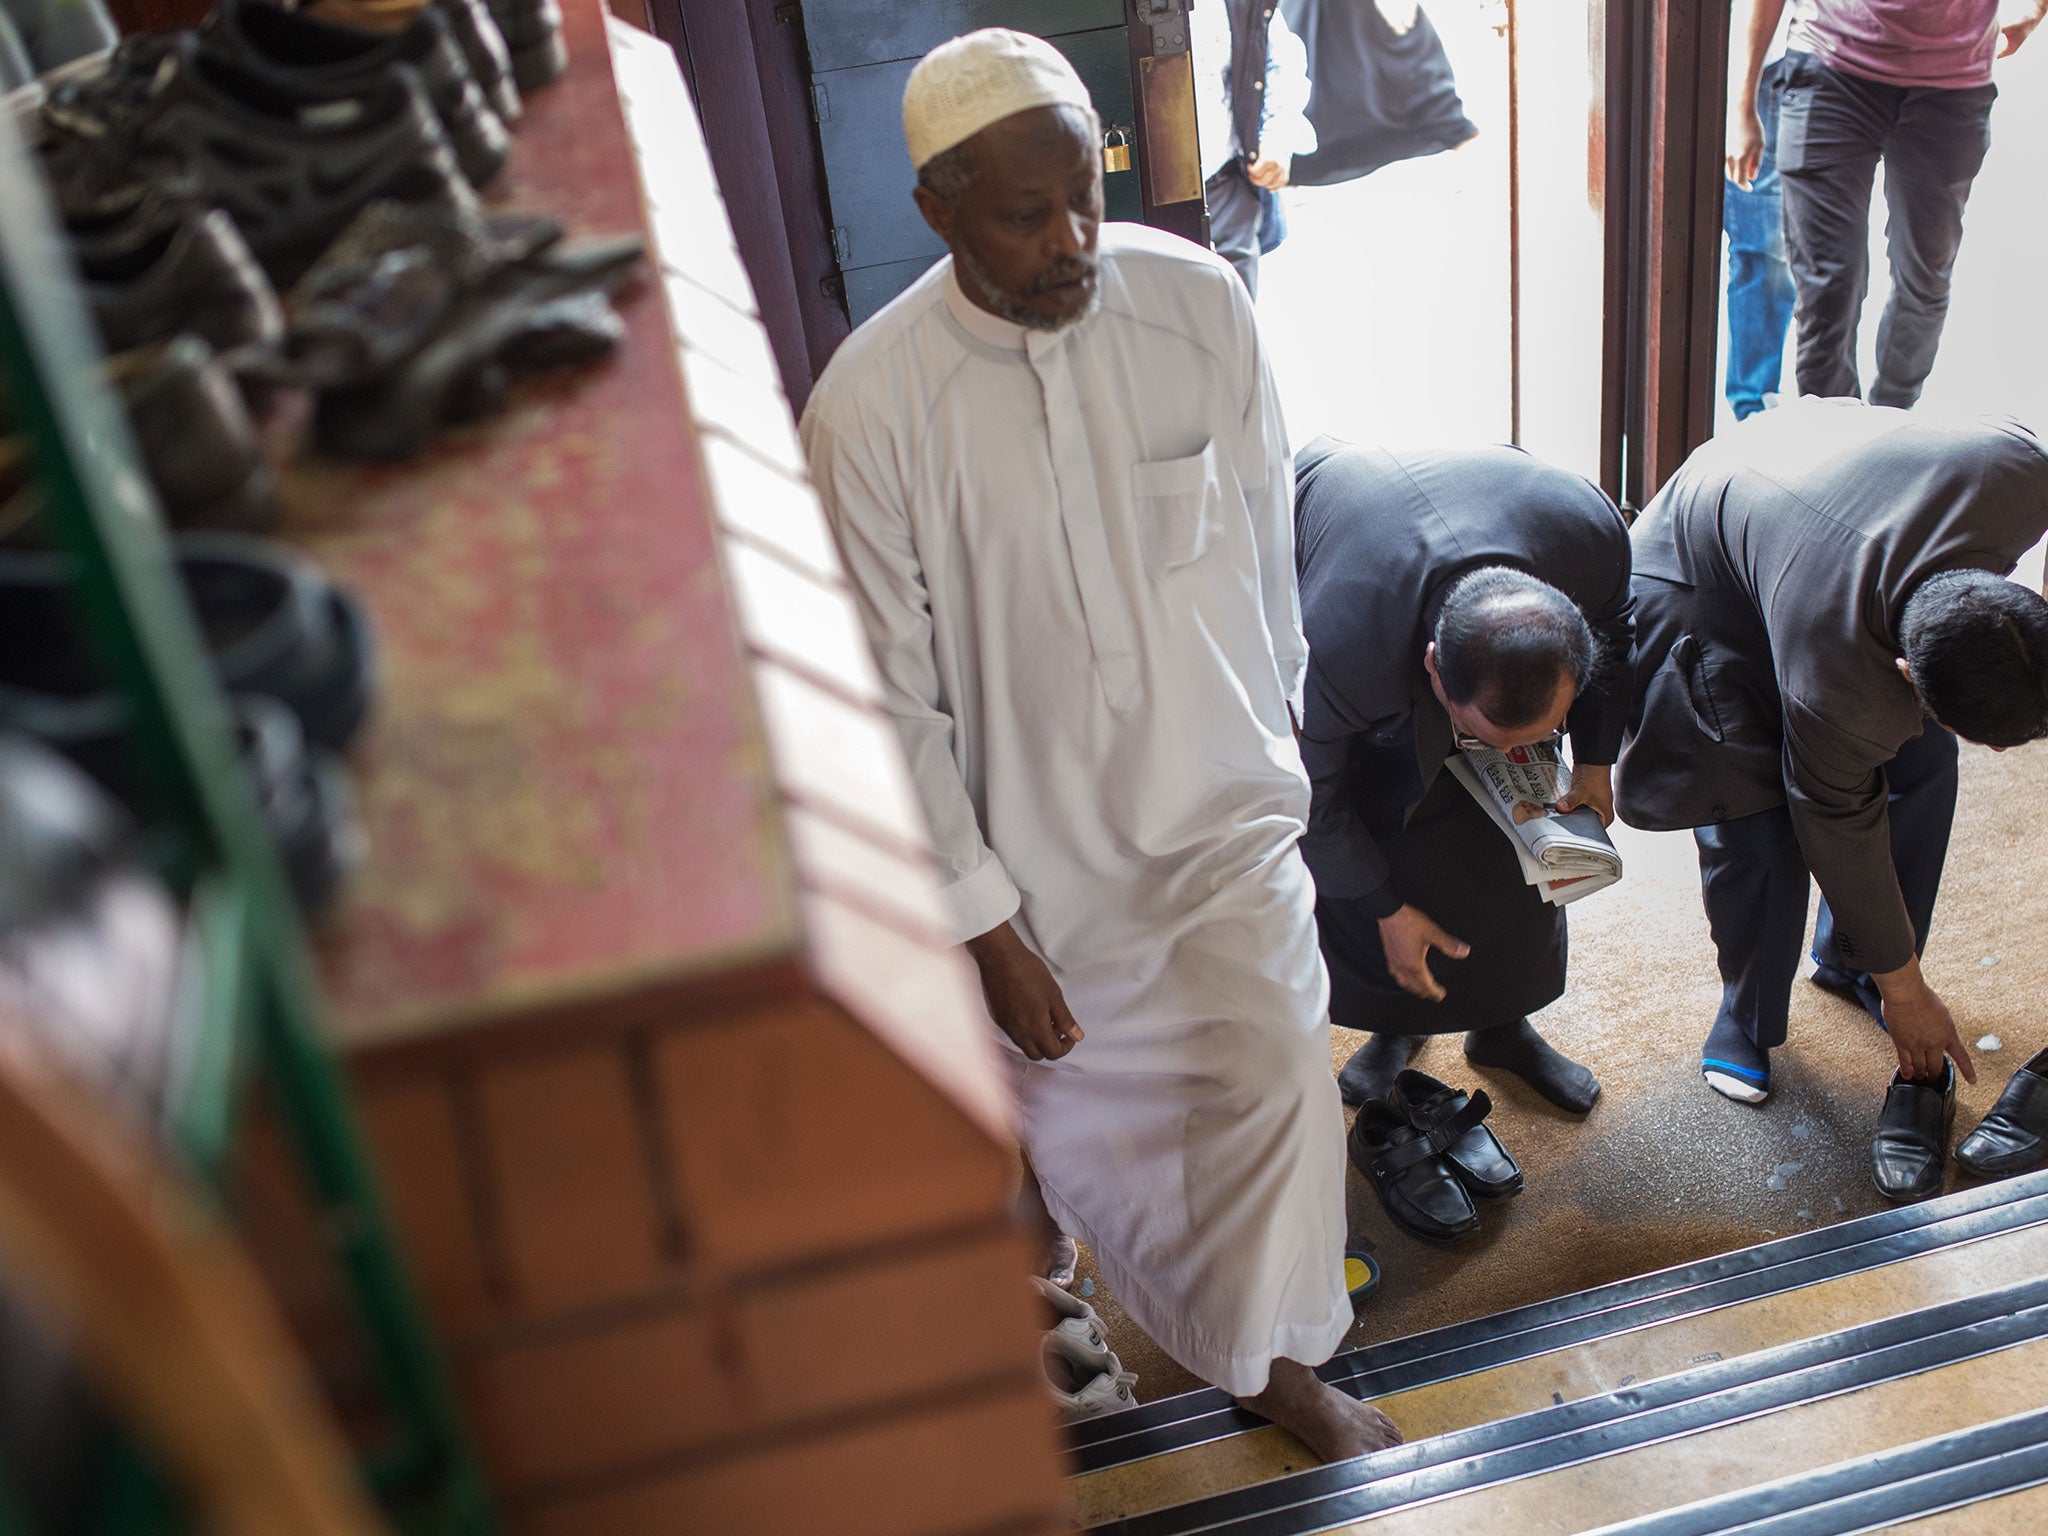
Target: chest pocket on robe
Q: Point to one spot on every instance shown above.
(1179, 504)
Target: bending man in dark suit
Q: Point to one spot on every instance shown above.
(1446, 598)
(1821, 602)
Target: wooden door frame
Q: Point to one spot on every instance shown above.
(1665, 124)
(748, 70)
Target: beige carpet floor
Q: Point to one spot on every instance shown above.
(1663, 1171)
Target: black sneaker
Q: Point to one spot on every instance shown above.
(296, 50)
(148, 281)
(291, 163)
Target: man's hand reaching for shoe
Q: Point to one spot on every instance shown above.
(1023, 998)
(1922, 1029)
(1407, 935)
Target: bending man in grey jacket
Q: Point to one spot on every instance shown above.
(1820, 609)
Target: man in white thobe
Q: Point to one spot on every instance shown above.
(1059, 479)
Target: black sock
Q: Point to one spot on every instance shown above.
(1371, 1071)
(1517, 1048)
(1729, 1049)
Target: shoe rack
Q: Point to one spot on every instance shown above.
(261, 1019)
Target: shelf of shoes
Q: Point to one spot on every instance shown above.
(680, 1095)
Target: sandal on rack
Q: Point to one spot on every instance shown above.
(417, 316)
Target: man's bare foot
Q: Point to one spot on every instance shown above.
(1333, 1424)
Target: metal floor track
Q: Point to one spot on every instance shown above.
(1462, 1349)
(1949, 1472)
(1437, 1473)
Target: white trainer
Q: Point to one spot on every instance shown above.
(1085, 1383)
(1075, 1315)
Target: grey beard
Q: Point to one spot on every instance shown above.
(1014, 310)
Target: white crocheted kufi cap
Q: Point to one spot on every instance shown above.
(962, 86)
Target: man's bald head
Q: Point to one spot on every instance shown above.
(1511, 647)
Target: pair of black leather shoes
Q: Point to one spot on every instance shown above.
(1429, 1157)
(1911, 1145)
(2014, 1136)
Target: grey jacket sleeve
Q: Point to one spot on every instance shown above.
(1835, 787)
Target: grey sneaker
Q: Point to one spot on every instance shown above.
(1075, 1315)
(1085, 1383)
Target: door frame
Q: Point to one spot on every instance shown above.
(1662, 127)
(1665, 126)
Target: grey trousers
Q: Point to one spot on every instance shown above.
(1833, 128)
(1234, 211)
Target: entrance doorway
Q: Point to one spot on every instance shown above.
(1455, 300)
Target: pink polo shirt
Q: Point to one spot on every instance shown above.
(1946, 44)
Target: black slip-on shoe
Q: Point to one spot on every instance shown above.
(149, 281)
(299, 51)
(290, 161)
(1406, 1169)
(1910, 1148)
(2014, 1136)
(272, 622)
(1475, 1154)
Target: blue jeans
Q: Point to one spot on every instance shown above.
(1760, 291)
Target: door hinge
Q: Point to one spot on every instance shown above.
(842, 245)
(821, 107)
(1168, 20)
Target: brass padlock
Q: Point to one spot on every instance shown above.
(1116, 150)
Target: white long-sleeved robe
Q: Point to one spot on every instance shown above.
(1075, 557)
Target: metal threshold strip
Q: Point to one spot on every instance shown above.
(1947, 1472)
(1443, 1354)
(1704, 1398)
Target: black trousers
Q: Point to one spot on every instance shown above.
(1833, 128)
(1455, 865)
(1234, 214)
(1756, 886)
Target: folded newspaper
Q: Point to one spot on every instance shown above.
(1566, 856)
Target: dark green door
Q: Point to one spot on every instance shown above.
(862, 52)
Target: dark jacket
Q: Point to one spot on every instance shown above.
(1376, 96)
(1250, 49)
(1772, 572)
(1379, 539)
